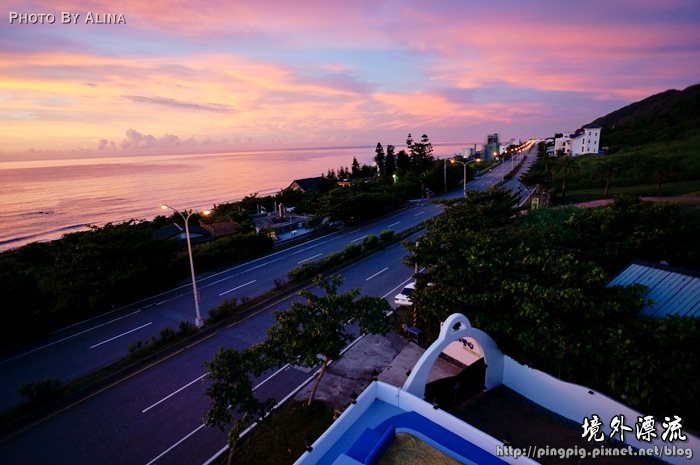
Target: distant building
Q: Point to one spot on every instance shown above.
(223, 228)
(586, 140)
(176, 232)
(469, 152)
(307, 184)
(492, 147)
(562, 143)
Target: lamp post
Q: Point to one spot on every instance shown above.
(198, 318)
(464, 164)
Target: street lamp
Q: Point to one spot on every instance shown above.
(464, 164)
(198, 319)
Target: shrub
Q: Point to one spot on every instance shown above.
(370, 242)
(386, 236)
(311, 269)
(166, 334)
(225, 309)
(186, 328)
(351, 251)
(40, 391)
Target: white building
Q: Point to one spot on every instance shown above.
(562, 143)
(586, 140)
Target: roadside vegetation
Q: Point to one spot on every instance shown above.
(311, 333)
(537, 285)
(52, 284)
(284, 436)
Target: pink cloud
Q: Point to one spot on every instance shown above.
(317, 71)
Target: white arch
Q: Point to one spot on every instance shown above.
(456, 326)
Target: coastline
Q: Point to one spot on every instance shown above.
(45, 202)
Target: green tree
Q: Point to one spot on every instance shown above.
(403, 161)
(421, 154)
(540, 172)
(390, 162)
(319, 326)
(661, 169)
(233, 400)
(565, 167)
(355, 168)
(380, 159)
(538, 286)
(606, 169)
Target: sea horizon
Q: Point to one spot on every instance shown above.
(43, 199)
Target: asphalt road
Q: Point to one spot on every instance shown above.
(82, 348)
(156, 415)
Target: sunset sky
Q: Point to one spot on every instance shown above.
(237, 75)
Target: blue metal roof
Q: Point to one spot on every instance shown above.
(674, 291)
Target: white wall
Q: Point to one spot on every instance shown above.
(563, 143)
(575, 402)
(588, 142)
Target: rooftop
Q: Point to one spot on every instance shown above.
(673, 291)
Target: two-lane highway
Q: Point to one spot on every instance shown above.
(157, 414)
(87, 346)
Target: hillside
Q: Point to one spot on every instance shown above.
(668, 116)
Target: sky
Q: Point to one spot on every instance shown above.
(199, 77)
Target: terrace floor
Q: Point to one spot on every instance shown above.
(505, 414)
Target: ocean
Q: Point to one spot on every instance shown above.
(42, 200)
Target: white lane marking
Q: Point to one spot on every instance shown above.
(205, 278)
(204, 424)
(359, 238)
(66, 338)
(377, 273)
(397, 288)
(176, 444)
(419, 213)
(174, 392)
(237, 287)
(401, 285)
(120, 335)
(173, 298)
(310, 258)
(393, 224)
(271, 376)
(101, 315)
(265, 308)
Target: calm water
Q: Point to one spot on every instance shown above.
(42, 200)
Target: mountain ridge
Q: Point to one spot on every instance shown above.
(666, 116)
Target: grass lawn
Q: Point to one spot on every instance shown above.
(281, 439)
(667, 189)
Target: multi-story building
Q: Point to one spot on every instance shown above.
(562, 144)
(586, 140)
(492, 147)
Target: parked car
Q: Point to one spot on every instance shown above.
(404, 297)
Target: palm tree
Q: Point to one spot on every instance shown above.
(606, 169)
(662, 169)
(565, 166)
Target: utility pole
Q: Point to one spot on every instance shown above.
(445, 174)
